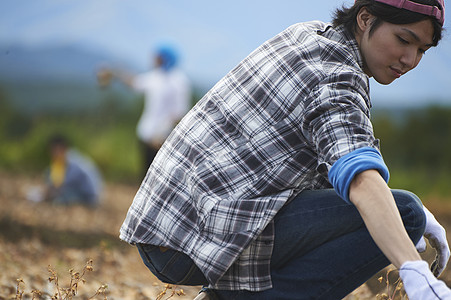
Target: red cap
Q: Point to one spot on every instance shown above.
(429, 10)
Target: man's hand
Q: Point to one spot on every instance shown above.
(420, 284)
(104, 77)
(436, 235)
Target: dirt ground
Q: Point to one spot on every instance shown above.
(34, 236)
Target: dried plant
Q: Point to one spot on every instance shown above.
(394, 291)
(174, 292)
(63, 293)
(100, 291)
(77, 278)
(19, 292)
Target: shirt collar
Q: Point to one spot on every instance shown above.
(341, 35)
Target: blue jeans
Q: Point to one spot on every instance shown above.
(171, 266)
(322, 248)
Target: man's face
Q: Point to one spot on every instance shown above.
(158, 61)
(392, 50)
(58, 152)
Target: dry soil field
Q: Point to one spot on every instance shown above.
(34, 236)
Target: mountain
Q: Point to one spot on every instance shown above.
(55, 79)
(63, 78)
(50, 63)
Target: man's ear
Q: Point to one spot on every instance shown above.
(364, 19)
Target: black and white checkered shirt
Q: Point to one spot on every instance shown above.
(269, 129)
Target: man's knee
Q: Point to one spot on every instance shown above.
(412, 213)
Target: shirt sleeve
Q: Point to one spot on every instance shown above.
(347, 167)
(183, 95)
(141, 82)
(338, 120)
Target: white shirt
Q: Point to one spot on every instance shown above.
(166, 100)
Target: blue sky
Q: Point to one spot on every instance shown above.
(213, 36)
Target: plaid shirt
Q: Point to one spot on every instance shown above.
(269, 129)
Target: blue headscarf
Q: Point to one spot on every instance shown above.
(168, 57)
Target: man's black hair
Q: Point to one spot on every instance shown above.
(384, 13)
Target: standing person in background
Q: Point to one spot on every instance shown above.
(72, 178)
(274, 187)
(167, 98)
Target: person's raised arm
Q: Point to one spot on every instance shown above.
(105, 75)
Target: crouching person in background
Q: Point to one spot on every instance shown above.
(72, 178)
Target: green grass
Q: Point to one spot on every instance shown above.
(112, 145)
(422, 181)
(417, 149)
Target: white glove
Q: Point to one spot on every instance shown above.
(420, 284)
(436, 235)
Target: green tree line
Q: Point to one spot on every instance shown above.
(416, 144)
(105, 132)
